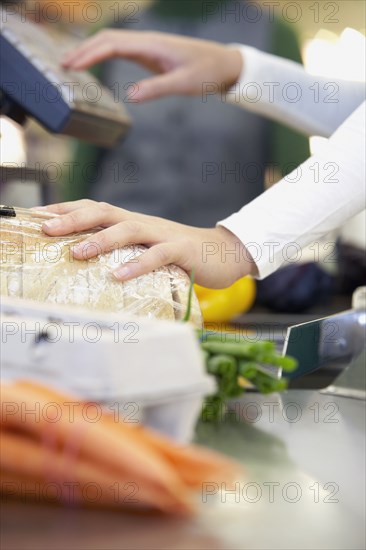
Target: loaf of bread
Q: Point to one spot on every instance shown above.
(42, 268)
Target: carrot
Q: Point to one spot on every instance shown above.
(83, 431)
(162, 470)
(32, 489)
(80, 482)
(119, 455)
(194, 464)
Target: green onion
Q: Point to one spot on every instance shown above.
(189, 305)
(228, 359)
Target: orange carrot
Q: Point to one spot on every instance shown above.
(194, 464)
(122, 451)
(119, 455)
(81, 482)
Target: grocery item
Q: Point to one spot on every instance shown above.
(67, 459)
(223, 304)
(239, 364)
(42, 268)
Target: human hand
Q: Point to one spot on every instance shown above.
(216, 255)
(182, 64)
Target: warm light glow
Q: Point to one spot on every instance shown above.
(333, 56)
(12, 144)
(336, 56)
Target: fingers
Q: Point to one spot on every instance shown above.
(65, 207)
(107, 44)
(159, 255)
(117, 236)
(75, 218)
(155, 257)
(179, 70)
(83, 59)
(89, 52)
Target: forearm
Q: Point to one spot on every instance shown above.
(281, 90)
(316, 198)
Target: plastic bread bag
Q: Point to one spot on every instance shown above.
(42, 268)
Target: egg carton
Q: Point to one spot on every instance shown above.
(141, 370)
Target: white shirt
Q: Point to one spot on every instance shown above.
(327, 189)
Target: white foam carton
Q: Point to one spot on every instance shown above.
(142, 370)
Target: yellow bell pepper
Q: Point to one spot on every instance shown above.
(221, 305)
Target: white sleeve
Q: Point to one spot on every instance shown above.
(313, 200)
(281, 90)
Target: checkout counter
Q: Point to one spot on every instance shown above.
(304, 453)
(304, 450)
(304, 456)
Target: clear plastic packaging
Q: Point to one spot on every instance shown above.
(42, 268)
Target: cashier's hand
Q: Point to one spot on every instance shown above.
(208, 251)
(182, 64)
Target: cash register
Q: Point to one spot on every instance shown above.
(33, 84)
